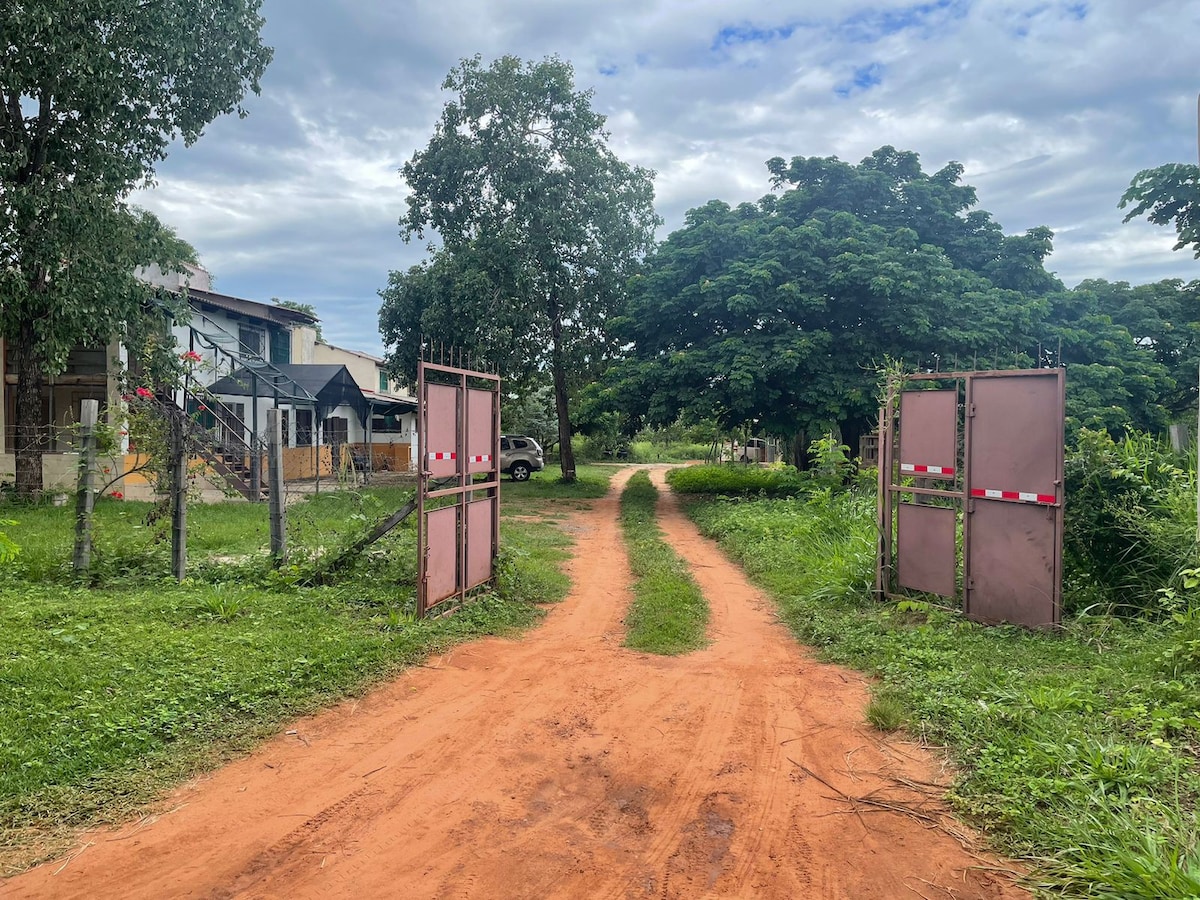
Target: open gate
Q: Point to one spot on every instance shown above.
(971, 493)
(458, 490)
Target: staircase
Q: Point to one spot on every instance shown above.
(224, 449)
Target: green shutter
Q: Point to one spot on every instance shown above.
(281, 346)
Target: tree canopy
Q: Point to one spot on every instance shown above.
(91, 96)
(540, 223)
(776, 312)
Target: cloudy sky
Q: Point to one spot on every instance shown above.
(1051, 105)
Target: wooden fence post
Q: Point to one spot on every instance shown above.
(85, 497)
(179, 487)
(275, 485)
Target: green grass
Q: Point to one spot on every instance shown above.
(114, 689)
(668, 614)
(1077, 750)
(732, 479)
(520, 497)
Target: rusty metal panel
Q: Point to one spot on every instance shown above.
(1017, 438)
(479, 541)
(482, 440)
(441, 430)
(1011, 573)
(441, 571)
(929, 433)
(925, 548)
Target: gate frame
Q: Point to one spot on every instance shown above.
(466, 487)
(889, 491)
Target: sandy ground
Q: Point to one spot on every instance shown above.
(563, 765)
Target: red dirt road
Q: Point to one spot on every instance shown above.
(563, 765)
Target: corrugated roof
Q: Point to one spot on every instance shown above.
(267, 312)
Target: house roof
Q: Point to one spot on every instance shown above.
(267, 312)
(328, 386)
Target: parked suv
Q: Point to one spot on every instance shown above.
(520, 456)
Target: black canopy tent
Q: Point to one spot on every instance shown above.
(325, 387)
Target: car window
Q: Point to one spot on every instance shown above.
(519, 444)
(503, 443)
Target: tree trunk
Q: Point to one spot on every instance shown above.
(566, 455)
(28, 418)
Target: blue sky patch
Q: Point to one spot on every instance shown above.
(864, 78)
(733, 35)
(870, 26)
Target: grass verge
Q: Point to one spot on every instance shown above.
(668, 613)
(1077, 750)
(115, 688)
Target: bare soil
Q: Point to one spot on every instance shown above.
(560, 764)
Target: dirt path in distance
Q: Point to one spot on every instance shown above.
(561, 765)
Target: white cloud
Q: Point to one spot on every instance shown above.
(1051, 106)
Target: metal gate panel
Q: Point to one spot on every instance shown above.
(479, 541)
(441, 430)
(927, 558)
(481, 437)
(1012, 546)
(1016, 437)
(441, 572)
(1012, 570)
(1009, 490)
(928, 433)
(458, 491)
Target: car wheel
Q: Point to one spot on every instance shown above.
(519, 471)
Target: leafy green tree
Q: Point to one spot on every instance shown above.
(1163, 321)
(776, 313)
(541, 226)
(1114, 380)
(1168, 195)
(531, 412)
(91, 95)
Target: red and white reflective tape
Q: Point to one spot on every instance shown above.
(911, 469)
(438, 456)
(476, 459)
(1020, 496)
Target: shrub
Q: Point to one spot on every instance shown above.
(732, 479)
(1130, 524)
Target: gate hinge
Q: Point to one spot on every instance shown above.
(971, 410)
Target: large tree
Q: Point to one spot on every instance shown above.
(541, 226)
(91, 95)
(776, 313)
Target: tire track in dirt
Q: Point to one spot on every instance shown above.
(559, 765)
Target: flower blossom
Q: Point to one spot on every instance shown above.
(145, 393)
(117, 495)
(191, 356)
